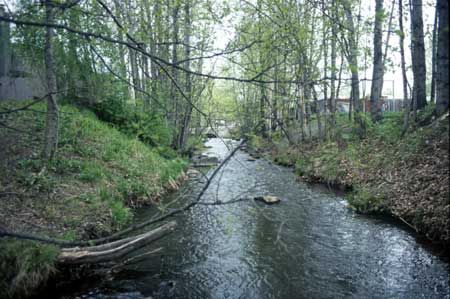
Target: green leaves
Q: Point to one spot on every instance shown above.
(400, 33)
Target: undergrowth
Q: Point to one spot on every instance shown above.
(25, 266)
(88, 190)
(388, 172)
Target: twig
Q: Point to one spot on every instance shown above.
(407, 223)
(24, 107)
(116, 236)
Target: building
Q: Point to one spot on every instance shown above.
(17, 81)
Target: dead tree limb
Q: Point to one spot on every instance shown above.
(114, 250)
(130, 229)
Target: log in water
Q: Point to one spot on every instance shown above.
(309, 246)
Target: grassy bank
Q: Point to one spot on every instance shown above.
(407, 177)
(89, 190)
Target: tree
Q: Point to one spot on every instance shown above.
(51, 129)
(333, 66)
(442, 88)
(433, 58)
(378, 64)
(187, 107)
(406, 100)
(418, 56)
(352, 58)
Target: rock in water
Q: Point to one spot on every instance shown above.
(268, 199)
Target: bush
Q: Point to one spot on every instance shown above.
(254, 142)
(363, 200)
(20, 274)
(151, 129)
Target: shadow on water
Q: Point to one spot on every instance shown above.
(308, 246)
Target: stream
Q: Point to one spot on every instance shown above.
(308, 246)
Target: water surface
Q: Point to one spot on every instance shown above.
(308, 246)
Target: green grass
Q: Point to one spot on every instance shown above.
(95, 180)
(94, 153)
(25, 266)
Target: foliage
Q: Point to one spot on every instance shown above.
(254, 141)
(89, 189)
(405, 176)
(24, 265)
(134, 121)
(364, 200)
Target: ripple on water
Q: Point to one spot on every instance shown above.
(308, 246)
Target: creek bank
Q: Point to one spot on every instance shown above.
(90, 189)
(407, 178)
(240, 250)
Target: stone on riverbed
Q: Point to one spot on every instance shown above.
(268, 199)
(191, 172)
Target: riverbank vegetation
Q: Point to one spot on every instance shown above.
(317, 112)
(116, 95)
(88, 190)
(385, 173)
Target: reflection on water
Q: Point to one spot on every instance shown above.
(308, 246)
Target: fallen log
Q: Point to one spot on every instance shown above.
(114, 250)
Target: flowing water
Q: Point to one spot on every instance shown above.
(308, 246)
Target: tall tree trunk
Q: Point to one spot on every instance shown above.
(275, 92)
(319, 122)
(153, 39)
(51, 129)
(442, 89)
(333, 69)
(433, 57)
(133, 55)
(378, 65)
(339, 79)
(134, 74)
(406, 100)
(418, 56)
(122, 64)
(262, 96)
(353, 64)
(188, 84)
(326, 103)
(173, 90)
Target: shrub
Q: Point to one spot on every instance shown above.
(255, 142)
(151, 129)
(121, 215)
(19, 274)
(363, 200)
